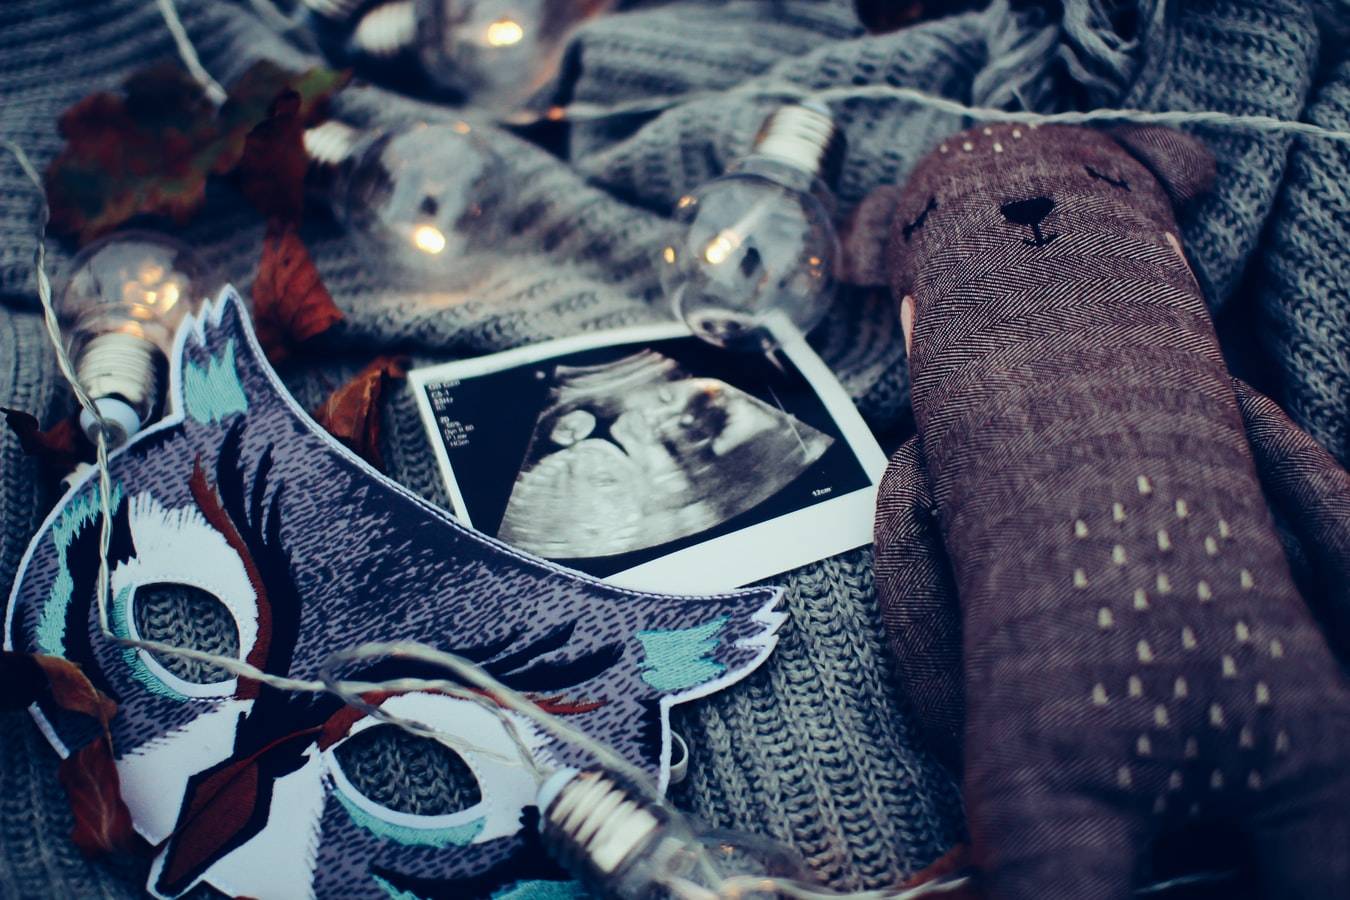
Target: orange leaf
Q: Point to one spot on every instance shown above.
(59, 448)
(150, 148)
(881, 16)
(290, 303)
(72, 690)
(953, 863)
(352, 412)
(272, 168)
(102, 820)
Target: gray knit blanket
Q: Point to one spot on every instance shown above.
(815, 749)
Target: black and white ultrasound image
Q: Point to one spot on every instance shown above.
(607, 458)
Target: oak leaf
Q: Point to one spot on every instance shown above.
(352, 412)
(290, 303)
(102, 820)
(59, 448)
(150, 149)
(273, 165)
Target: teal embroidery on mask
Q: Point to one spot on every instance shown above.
(542, 890)
(680, 658)
(82, 510)
(213, 393)
(440, 838)
(121, 626)
(393, 892)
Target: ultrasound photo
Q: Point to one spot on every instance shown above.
(651, 459)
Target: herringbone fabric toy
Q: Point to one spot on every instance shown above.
(1134, 654)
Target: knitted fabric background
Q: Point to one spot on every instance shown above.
(813, 749)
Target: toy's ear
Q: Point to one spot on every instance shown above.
(866, 233)
(1182, 164)
(219, 369)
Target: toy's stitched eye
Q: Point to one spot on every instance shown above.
(1114, 182)
(914, 226)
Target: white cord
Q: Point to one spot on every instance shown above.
(783, 90)
(491, 693)
(188, 53)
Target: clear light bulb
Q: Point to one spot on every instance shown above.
(621, 845)
(120, 310)
(757, 244)
(496, 53)
(416, 195)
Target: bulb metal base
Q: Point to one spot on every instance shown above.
(120, 372)
(800, 135)
(387, 30)
(331, 142)
(334, 10)
(594, 825)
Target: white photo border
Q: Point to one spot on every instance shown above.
(733, 560)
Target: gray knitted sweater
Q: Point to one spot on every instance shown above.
(814, 749)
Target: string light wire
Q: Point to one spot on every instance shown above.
(785, 90)
(490, 693)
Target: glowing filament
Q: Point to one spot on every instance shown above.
(720, 247)
(428, 239)
(668, 255)
(504, 33)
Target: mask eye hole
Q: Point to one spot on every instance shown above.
(186, 616)
(407, 773)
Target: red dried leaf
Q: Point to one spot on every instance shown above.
(952, 863)
(102, 820)
(253, 95)
(59, 448)
(150, 149)
(352, 412)
(71, 690)
(272, 168)
(881, 16)
(290, 303)
(28, 677)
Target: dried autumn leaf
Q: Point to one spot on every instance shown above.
(59, 448)
(150, 149)
(272, 168)
(102, 820)
(290, 303)
(352, 412)
(72, 690)
(881, 16)
(952, 863)
(28, 677)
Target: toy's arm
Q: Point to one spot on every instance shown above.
(1311, 488)
(918, 602)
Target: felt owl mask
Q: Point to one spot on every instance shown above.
(241, 528)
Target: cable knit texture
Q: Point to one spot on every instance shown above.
(814, 749)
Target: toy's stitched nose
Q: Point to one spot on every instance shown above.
(1030, 212)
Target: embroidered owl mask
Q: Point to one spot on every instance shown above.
(241, 528)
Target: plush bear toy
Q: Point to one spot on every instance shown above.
(1091, 606)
